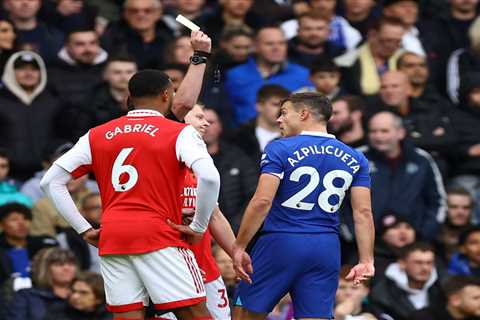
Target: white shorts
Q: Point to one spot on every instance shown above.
(217, 301)
(170, 277)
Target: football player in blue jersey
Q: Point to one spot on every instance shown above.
(304, 178)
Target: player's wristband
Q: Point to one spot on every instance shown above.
(202, 53)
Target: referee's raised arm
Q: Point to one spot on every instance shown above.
(189, 90)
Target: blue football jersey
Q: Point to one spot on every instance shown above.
(316, 171)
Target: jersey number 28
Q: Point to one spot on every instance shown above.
(295, 201)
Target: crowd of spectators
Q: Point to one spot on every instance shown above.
(404, 79)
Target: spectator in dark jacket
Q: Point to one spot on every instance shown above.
(253, 136)
(18, 246)
(76, 71)
(141, 33)
(53, 271)
(29, 113)
(238, 173)
(428, 125)
(463, 302)
(408, 285)
(467, 260)
(108, 100)
(405, 179)
(86, 302)
(465, 119)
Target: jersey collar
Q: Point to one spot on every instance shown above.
(317, 133)
(144, 113)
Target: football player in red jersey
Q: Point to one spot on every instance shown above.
(140, 162)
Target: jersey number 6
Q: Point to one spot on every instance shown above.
(119, 168)
(295, 201)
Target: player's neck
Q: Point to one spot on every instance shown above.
(315, 127)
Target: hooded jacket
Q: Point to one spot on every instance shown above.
(394, 297)
(27, 121)
(465, 120)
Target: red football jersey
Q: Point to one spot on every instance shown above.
(203, 249)
(139, 163)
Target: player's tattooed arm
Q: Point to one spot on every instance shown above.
(189, 90)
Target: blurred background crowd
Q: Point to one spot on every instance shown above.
(404, 78)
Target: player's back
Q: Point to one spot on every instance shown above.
(140, 178)
(316, 171)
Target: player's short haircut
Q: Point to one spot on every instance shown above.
(416, 246)
(230, 32)
(323, 64)
(148, 83)
(318, 103)
(462, 239)
(9, 208)
(271, 90)
(354, 103)
(455, 284)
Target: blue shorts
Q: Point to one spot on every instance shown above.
(305, 265)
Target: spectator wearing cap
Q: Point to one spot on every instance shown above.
(18, 246)
(459, 218)
(8, 188)
(396, 233)
(53, 150)
(463, 301)
(29, 113)
(410, 284)
(467, 260)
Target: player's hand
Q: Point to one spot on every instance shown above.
(191, 236)
(187, 215)
(92, 236)
(242, 263)
(361, 272)
(200, 41)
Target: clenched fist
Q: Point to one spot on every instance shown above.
(200, 41)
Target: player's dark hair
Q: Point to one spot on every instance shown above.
(271, 90)
(318, 103)
(455, 284)
(148, 83)
(12, 207)
(416, 246)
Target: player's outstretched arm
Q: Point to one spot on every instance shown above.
(189, 90)
(54, 184)
(253, 218)
(222, 231)
(364, 233)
